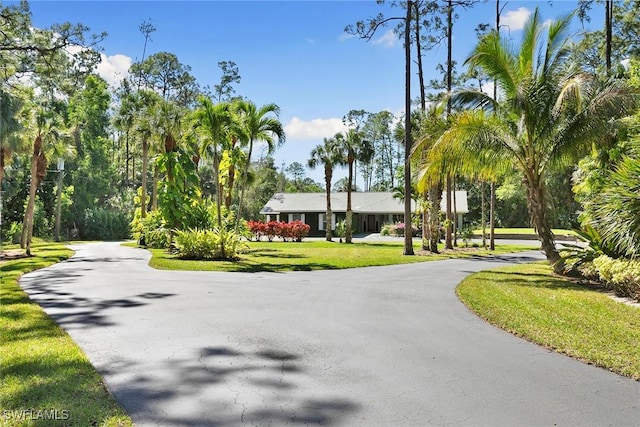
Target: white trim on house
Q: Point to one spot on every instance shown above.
(292, 217)
(322, 221)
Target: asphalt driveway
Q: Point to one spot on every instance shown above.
(381, 346)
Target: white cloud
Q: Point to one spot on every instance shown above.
(515, 19)
(388, 39)
(313, 129)
(113, 68)
(345, 36)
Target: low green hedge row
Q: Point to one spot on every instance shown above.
(620, 275)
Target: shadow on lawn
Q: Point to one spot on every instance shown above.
(251, 266)
(551, 282)
(228, 387)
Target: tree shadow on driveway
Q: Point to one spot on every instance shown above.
(225, 386)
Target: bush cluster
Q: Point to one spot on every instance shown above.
(287, 231)
(397, 230)
(207, 244)
(620, 275)
(106, 224)
(151, 231)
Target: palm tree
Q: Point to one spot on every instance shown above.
(350, 145)
(10, 107)
(143, 125)
(214, 123)
(549, 113)
(327, 154)
(45, 130)
(258, 124)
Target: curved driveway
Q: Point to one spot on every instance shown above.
(379, 346)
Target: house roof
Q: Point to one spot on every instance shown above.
(361, 202)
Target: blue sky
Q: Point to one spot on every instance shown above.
(292, 53)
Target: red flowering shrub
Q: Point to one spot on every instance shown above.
(299, 230)
(273, 230)
(257, 229)
(287, 231)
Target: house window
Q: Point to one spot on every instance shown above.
(322, 221)
(296, 217)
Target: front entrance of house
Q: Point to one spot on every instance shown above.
(371, 224)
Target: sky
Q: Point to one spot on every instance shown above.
(292, 53)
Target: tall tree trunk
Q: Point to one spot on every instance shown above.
(127, 157)
(244, 184)
(229, 196)
(28, 216)
(435, 197)
(349, 218)
(154, 190)
(426, 232)
(423, 98)
(483, 217)
(455, 215)
(408, 238)
(58, 219)
(609, 33)
(2, 154)
(492, 217)
(143, 184)
(216, 176)
(448, 243)
(538, 211)
(492, 195)
(328, 175)
(448, 240)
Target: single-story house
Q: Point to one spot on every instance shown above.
(371, 210)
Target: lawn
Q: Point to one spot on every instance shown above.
(577, 320)
(318, 255)
(525, 231)
(46, 379)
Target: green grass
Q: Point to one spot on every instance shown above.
(530, 231)
(42, 368)
(580, 321)
(316, 255)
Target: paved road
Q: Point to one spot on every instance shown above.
(380, 346)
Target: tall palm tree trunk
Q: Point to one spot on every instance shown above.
(449, 222)
(449, 231)
(27, 232)
(245, 172)
(229, 195)
(216, 169)
(349, 218)
(2, 154)
(435, 197)
(492, 217)
(154, 190)
(143, 184)
(537, 209)
(58, 215)
(328, 174)
(408, 237)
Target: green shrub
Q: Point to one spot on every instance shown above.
(14, 233)
(151, 231)
(106, 224)
(386, 230)
(620, 275)
(466, 234)
(207, 244)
